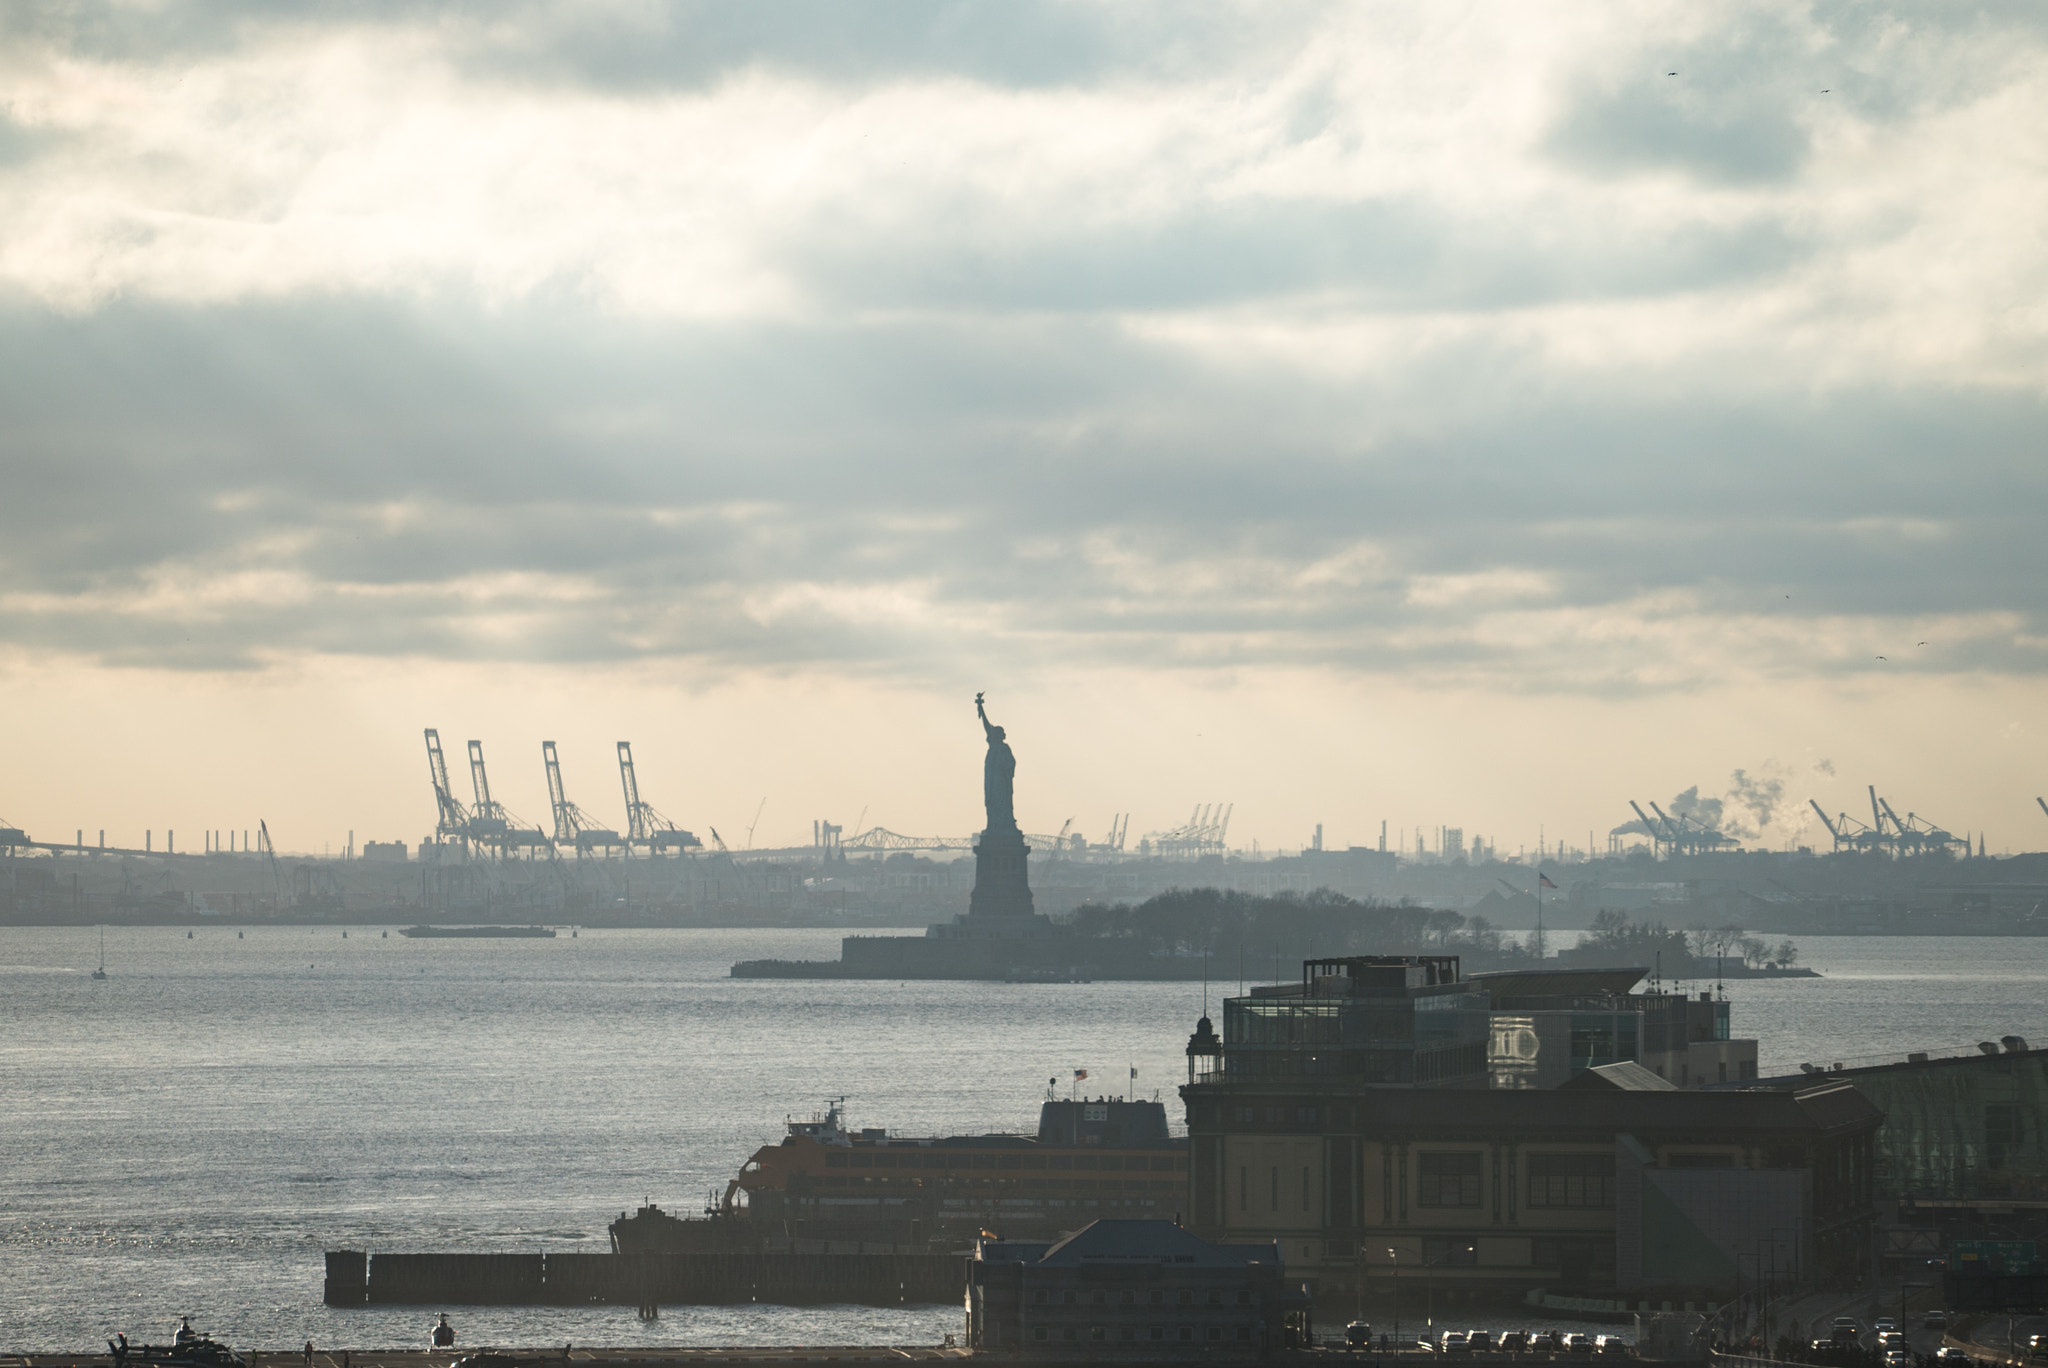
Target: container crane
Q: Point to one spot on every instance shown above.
(644, 825)
(490, 822)
(573, 826)
(451, 817)
(1660, 840)
(1914, 835)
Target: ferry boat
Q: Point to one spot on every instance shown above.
(1089, 1158)
(827, 1183)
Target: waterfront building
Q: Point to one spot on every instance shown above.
(1964, 1141)
(1131, 1288)
(1347, 1118)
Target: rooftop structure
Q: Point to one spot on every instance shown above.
(1131, 1289)
(1379, 1021)
(1548, 1025)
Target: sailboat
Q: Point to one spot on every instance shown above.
(101, 972)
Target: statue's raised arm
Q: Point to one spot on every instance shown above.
(987, 728)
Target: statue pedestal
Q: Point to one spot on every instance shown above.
(1002, 888)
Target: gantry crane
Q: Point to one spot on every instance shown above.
(573, 826)
(490, 822)
(1887, 833)
(645, 827)
(451, 817)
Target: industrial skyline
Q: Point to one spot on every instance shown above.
(1759, 811)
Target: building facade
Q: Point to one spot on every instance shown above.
(1357, 1171)
(1131, 1288)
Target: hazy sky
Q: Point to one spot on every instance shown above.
(1470, 414)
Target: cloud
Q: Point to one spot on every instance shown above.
(1178, 339)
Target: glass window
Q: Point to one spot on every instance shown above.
(1448, 1179)
(1571, 1180)
(1039, 1333)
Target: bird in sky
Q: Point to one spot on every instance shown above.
(1670, 73)
(1880, 657)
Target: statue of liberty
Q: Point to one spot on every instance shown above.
(998, 775)
(1002, 888)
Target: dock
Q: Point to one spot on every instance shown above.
(355, 1278)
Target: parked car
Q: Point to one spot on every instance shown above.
(1513, 1341)
(1453, 1342)
(1548, 1342)
(1577, 1343)
(1612, 1344)
(1479, 1341)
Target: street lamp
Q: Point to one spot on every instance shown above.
(1740, 1255)
(1393, 1259)
(1795, 1245)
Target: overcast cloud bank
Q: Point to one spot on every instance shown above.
(1464, 343)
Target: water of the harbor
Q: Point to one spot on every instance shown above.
(189, 1135)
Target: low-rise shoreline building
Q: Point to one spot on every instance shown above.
(1359, 1162)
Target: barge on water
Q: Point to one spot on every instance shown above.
(479, 932)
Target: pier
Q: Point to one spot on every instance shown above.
(355, 1278)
